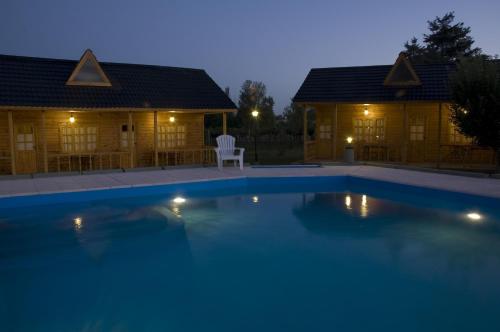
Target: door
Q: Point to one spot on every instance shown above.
(417, 139)
(25, 149)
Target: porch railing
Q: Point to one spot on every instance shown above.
(377, 152)
(87, 161)
(191, 156)
(467, 155)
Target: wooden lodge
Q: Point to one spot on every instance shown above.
(63, 115)
(395, 113)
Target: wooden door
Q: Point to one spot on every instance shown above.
(25, 149)
(417, 139)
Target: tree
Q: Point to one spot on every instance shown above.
(415, 51)
(476, 101)
(447, 41)
(294, 119)
(253, 96)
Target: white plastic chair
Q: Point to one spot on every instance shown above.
(225, 150)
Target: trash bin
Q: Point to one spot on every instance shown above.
(349, 154)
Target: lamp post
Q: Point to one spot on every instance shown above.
(255, 115)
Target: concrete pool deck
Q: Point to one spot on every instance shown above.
(10, 187)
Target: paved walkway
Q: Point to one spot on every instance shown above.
(16, 187)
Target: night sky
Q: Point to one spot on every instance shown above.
(275, 42)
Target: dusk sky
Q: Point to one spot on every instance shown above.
(275, 42)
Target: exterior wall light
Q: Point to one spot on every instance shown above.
(349, 139)
(71, 119)
(255, 113)
(171, 119)
(365, 112)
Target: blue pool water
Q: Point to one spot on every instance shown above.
(323, 254)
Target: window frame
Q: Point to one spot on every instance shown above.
(417, 135)
(369, 132)
(121, 139)
(73, 134)
(168, 136)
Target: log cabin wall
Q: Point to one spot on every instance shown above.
(416, 137)
(4, 144)
(108, 137)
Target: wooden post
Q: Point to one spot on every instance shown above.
(44, 144)
(404, 149)
(440, 126)
(305, 133)
(11, 141)
(335, 128)
(155, 133)
(224, 123)
(130, 139)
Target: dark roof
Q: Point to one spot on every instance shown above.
(40, 82)
(366, 84)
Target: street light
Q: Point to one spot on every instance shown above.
(255, 115)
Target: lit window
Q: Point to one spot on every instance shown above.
(78, 139)
(379, 129)
(325, 131)
(417, 128)
(369, 130)
(171, 136)
(25, 138)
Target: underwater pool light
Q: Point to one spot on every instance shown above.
(179, 200)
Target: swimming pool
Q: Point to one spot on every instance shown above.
(263, 254)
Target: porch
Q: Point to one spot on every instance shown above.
(408, 133)
(45, 141)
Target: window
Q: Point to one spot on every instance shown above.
(456, 137)
(171, 136)
(124, 136)
(88, 72)
(379, 129)
(25, 138)
(369, 130)
(325, 132)
(402, 73)
(417, 128)
(78, 139)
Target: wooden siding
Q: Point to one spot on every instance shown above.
(108, 126)
(396, 145)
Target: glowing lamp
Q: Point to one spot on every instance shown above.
(349, 139)
(71, 119)
(474, 216)
(171, 119)
(255, 199)
(365, 112)
(255, 113)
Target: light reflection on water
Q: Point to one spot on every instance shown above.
(292, 262)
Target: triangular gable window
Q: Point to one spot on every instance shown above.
(88, 72)
(402, 73)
